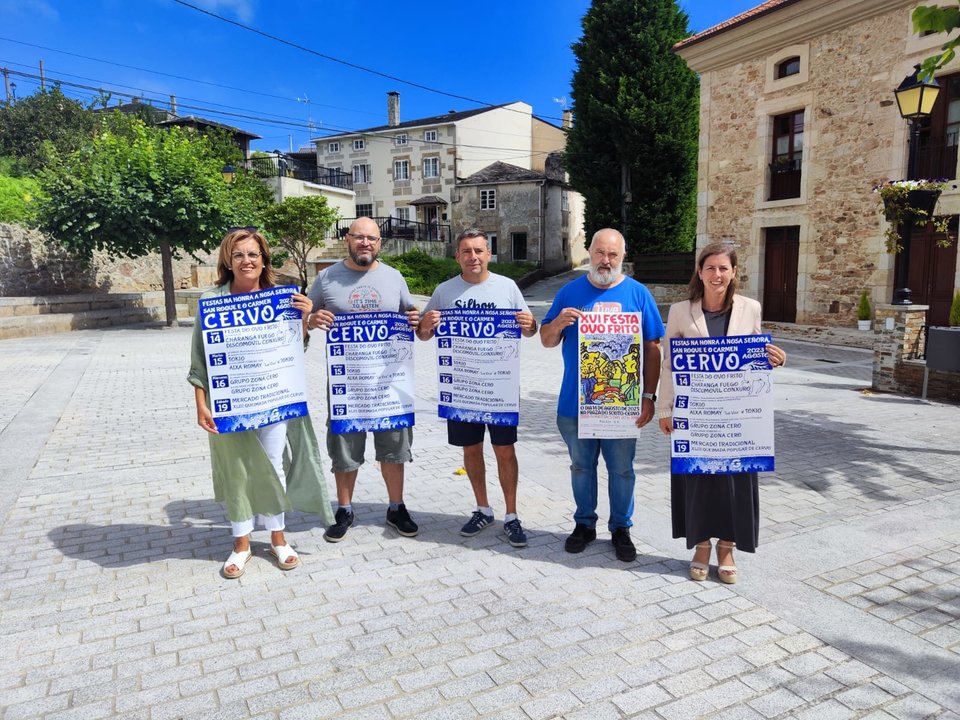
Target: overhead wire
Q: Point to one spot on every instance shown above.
(347, 63)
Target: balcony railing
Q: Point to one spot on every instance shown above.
(280, 165)
(392, 228)
(935, 160)
(785, 179)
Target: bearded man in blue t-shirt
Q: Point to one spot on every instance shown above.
(605, 287)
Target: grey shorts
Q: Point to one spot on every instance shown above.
(346, 450)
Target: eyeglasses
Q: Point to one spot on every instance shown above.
(248, 228)
(239, 256)
(373, 240)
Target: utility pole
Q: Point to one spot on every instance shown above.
(43, 87)
(6, 83)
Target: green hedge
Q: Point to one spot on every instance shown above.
(424, 272)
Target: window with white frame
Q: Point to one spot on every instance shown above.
(361, 173)
(429, 135)
(403, 213)
(359, 144)
(364, 209)
(488, 199)
(564, 201)
(431, 167)
(400, 139)
(401, 170)
(333, 147)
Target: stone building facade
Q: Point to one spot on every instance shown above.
(528, 215)
(798, 123)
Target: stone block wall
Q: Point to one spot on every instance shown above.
(33, 264)
(898, 345)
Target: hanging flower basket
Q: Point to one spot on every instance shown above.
(909, 203)
(915, 205)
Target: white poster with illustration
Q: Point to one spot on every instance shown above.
(370, 372)
(610, 367)
(723, 405)
(478, 365)
(253, 344)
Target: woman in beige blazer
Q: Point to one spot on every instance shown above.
(723, 506)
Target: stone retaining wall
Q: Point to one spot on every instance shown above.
(33, 264)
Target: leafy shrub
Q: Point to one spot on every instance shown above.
(424, 272)
(16, 198)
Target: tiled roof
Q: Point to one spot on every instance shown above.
(744, 17)
(435, 120)
(502, 172)
(188, 120)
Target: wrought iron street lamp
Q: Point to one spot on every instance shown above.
(915, 100)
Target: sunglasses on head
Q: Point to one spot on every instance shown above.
(248, 228)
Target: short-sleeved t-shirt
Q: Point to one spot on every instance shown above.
(342, 290)
(496, 291)
(627, 296)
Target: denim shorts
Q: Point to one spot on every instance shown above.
(346, 450)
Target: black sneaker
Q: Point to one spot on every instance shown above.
(515, 534)
(477, 522)
(342, 520)
(580, 538)
(623, 545)
(401, 520)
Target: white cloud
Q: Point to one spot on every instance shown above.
(242, 9)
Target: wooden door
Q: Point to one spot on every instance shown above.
(780, 265)
(931, 273)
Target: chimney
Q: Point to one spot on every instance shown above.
(393, 108)
(567, 119)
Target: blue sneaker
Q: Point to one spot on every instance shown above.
(515, 534)
(477, 522)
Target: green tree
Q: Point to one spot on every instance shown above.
(931, 18)
(27, 125)
(298, 225)
(136, 189)
(632, 151)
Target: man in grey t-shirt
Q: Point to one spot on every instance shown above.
(477, 287)
(362, 283)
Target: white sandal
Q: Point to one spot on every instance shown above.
(699, 570)
(287, 558)
(726, 573)
(238, 559)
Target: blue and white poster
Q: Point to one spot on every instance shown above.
(723, 405)
(478, 365)
(370, 372)
(253, 343)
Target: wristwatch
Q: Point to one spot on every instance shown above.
(649, 396)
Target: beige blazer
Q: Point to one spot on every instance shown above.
(685, 319)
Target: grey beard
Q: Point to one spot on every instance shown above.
(605, 278)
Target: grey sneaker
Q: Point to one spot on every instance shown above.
(477, 522)
(515, 534)
(400, 520)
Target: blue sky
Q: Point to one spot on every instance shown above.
(494, 52)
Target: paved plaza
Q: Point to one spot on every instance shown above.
(112, 604)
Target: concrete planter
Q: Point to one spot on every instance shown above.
(863, 325)
(943, 349)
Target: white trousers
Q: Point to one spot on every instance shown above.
(273, 438)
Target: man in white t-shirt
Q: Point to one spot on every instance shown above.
(477, 287)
